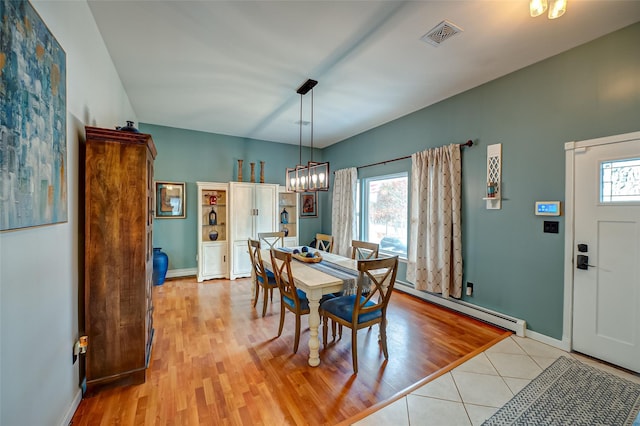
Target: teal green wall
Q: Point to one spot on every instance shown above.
(587, 92)
(190, 156)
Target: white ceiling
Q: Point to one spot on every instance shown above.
(233, 67)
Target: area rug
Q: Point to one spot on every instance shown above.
(569, 392)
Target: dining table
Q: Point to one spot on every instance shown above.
(316, 283)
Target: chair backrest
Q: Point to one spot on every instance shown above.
(256, 260)
(364, 250)
(324, 242)
(272, 239)
(377, 291)
(281, 264)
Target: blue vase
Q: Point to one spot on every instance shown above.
(129, 128)
(160, 266)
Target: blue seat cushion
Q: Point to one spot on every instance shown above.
(304, 302)
(342, 307)
(271, 279)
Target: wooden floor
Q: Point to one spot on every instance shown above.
(216, 361)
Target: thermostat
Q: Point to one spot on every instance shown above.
(547, 208)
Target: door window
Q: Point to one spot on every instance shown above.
(620, 181)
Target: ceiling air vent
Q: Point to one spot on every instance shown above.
(441, 32)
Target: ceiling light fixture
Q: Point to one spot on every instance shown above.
(314, 176)
(557, 9)
(538, 7)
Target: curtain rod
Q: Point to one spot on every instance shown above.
(467, 143)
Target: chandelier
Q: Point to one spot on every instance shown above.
(313, 176)
(538, 7)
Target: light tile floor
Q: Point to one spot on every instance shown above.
(472, 392)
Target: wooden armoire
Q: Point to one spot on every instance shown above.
(118, 261)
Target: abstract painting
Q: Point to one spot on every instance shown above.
(170, 200)
(33, 120)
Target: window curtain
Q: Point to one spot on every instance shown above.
(343, 212)
(435, 242)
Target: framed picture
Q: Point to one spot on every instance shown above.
(33, 120)
(170, 200)
(308, 204)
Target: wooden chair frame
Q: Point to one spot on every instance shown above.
(363, 250)
(324, 242)
(272, 239)
(260, 279)
(378, 296)
(281, 263)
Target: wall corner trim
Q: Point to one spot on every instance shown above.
(68, 416)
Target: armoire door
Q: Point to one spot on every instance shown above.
(266, 208)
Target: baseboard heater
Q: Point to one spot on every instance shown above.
(514, 324)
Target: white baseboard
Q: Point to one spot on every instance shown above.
(516, 325)
(66, 420)
(174, 273)
(542, 338)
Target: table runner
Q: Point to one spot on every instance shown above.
(348, 276)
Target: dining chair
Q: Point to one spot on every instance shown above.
(376, 278)
(291, 297)
(360, 250)
(364, 250)
(324, 242)
(272, 239)
(263, 278)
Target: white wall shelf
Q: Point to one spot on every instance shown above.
(494, 177)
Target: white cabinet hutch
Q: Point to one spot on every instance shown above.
(253, 209)
(212, 230)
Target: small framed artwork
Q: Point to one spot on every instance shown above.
(170, 200)
(309, 204)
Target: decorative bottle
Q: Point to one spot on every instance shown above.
(239, 170)
(491, 189)
(213, 217)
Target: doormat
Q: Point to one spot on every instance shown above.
(569, 392)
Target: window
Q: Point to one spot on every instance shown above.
(620, 181)
(385, 212)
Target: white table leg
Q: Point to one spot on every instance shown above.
(314, 323)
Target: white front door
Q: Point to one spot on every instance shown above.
(606, 250)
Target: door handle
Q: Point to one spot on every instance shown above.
(583, 262)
